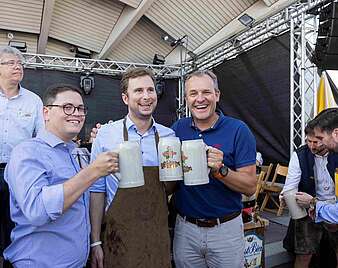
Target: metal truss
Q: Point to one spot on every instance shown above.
(303, 76)
(95, 66)
(248, 39)
(300, 20)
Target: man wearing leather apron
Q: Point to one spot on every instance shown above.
(134, 230)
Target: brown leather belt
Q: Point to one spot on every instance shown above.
(211, 222)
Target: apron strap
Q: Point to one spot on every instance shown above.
(126, 136)
(79, 159)
(125, 131)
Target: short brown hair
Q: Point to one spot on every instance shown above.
(309, 129)
(134, 73)
(200, 73)
(52, 91)
(326, 120)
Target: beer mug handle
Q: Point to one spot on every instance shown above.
(206, 151)
(117, 175)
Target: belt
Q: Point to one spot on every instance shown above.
(3, 165)
(211, 222)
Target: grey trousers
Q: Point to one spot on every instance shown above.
(216, 247)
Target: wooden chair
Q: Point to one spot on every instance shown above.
(267, 169)
(260, 179)
(271, 189)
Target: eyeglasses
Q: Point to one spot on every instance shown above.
(69, 108)
(12, 63)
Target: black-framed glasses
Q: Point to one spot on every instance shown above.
(69, 108)
(12, 63)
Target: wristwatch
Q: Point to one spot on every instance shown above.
(313, 203)
(221, 173)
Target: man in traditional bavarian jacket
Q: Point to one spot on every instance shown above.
(311, 171)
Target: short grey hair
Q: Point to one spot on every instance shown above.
(12, 51)
(200, 73)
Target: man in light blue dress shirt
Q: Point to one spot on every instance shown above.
(326, 130)
(48, 192)
(138, 92)
(20, 119)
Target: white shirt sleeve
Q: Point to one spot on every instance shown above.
(259, 158)
(294, 174)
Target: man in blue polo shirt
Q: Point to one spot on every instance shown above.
(209, 228)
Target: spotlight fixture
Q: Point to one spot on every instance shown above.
(82, 53)
(158, 59)
(172, 41)
(21, 46)
(179, 41)
(87, 82)
(246, 20)
(168, 39)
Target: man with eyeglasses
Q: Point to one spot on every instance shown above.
(20, 119)
(49, 198)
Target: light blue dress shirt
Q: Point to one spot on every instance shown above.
(20, 119)
(326, 212)
(110, 136)
(44, 236)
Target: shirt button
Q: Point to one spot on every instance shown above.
(200, 135)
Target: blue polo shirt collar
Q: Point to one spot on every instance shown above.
(218, 122)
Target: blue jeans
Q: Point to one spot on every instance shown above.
(216, 247)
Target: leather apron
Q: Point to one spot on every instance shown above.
(135, 227)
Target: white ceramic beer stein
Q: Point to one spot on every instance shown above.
(169, 156)
(194, 162)
(296, 211)
(130, 162)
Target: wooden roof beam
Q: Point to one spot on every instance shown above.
(47, 13)
(268, 2)
(128, 18)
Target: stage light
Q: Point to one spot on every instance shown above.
(21, 46)
(87, 83)
(169, 40)
(83, 53)
(246, 20)
(158, 59)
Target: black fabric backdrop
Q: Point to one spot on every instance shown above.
(105, 101)
(255, 87)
